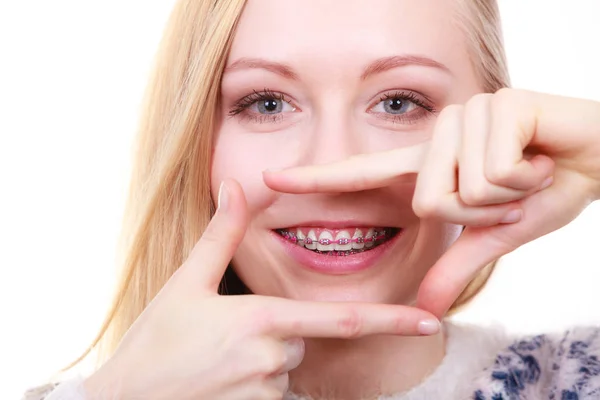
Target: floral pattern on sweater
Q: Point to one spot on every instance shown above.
(546, 367)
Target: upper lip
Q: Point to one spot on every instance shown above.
(338, 224)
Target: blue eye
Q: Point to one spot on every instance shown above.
(265, 103)
(395, 106)
(270, 106)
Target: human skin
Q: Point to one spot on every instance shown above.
(536, 151)
(509, 167)
(334, 113)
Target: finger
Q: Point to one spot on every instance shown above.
(211, 255)
(446, 280)
(361, 172)
(514, 126)
(294, 352)
(437, 178)
(452, 209)
(280, 383)
(289, 318)
(265, 356)
(259, 390)
(270, 357)
(436, 193)
(475, 189)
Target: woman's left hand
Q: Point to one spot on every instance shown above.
(510, 166)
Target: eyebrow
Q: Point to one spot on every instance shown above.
(376, 67)
(387, 63)
(259, 63)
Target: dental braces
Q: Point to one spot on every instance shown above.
(377, 235)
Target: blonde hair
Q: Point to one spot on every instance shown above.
(169, 204)
(480, 22)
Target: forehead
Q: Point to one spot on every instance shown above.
(328, 31)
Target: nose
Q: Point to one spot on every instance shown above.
(331, 137)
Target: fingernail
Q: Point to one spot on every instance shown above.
(223, 198)
(294, 351)
(429, 327)
(512, 217)
(295, 344)
(547, 183)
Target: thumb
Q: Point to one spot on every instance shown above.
(210, 257)
(543, 212)
(461, 263)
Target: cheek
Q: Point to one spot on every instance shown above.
(244, 160)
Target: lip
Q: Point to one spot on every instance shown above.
(336, 265)
(339, 224)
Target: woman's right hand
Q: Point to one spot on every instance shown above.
(192, 343)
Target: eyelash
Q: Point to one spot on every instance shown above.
(425, 108)
(240, 108)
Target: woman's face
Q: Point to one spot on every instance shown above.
(312, 82)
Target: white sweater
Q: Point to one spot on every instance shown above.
(480, 364)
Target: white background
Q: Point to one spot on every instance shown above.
(71, 78)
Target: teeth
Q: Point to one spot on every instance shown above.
(300, 237)
(358, 240)
(311, 240)
(369, 242)
(325, 242)
(342, 243)
(344, 238)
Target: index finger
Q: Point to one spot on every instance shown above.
(291, 318)
(356, 173)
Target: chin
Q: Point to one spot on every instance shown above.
(364, 293)
(387, 283)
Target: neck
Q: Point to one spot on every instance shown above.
(366, 368)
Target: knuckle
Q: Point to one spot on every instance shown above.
(450, 112)
(426, 207)
(315, 183)
(499, 173)
(360, 182)
(475, 195)
(350, 324)
(272, 359)
(401, 323)
(507, 97)
(262, 320)
(253, 318)
(479, 100)
(505, 94)
(211, 234)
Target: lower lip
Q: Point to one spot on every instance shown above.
(336, 265)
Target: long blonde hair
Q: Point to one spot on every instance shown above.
(169, 203)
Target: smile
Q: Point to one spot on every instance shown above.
(338, 242)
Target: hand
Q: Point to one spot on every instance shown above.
(511, 167)
(191, 343)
